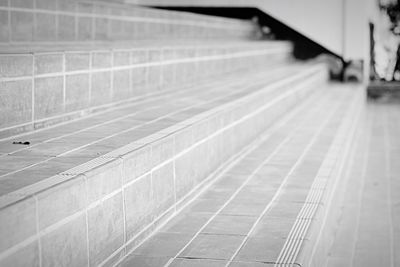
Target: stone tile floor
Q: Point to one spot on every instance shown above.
(57, 149)
(245, 217)
(368, 231)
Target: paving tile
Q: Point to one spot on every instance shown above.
(206, 246)
(198, 263)
(230, 225)
(12, 163)
(141, 261)
(205, 205)
(273, 227)
(163, 245)
(260, 249)
(186, 223)
(257, 264)
(285, 209)
(244, 208)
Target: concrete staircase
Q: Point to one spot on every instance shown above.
(135, 120)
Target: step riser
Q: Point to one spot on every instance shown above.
(108, 210)
(76, 21)
(54, 87)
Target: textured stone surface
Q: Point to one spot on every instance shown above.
(46, 4)
(121, 85)
(26, 256)
(84, 28)
(49, 97)
(4, 28)
(106, 229)
(21, 26)
(136, 164)
(67, 245)
(62, 201)
(77, 61)
(77, 92)
(163, 191)
(17, 223)
(15, 65)
(104, 182)
(15, 102)
(212, 247)
(48, 63)
(45, 27)
(101, 60)
(138, 206)
(66, 28)
(101, 88)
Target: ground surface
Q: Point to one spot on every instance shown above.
(369, 226)
(247, 216)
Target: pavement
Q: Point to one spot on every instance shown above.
(368, 229)
(249, 215)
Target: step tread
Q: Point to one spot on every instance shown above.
(55, 150)
(247, 215)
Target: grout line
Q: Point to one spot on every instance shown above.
(274, 152)
(253, 53)
(169, 21)
(57, 224)
(53, 227)
(363, 177)
(130, 129)
(235, 159)
(287, 255)
(346, 169)
(285, 180)
(114, 106)
(261, 109)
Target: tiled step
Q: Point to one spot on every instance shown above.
(89, 190)
(52, 84)
(263, 208)
(44, 21)
(366, 230)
